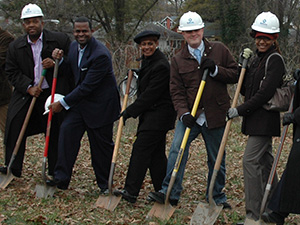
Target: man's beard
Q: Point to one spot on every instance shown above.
(34, 36)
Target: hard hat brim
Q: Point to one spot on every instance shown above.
(31, 16)
(190, 28)
(268, 31)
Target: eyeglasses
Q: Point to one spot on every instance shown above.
(262, 38)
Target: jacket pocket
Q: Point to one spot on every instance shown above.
(190, 76)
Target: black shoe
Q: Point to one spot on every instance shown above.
(273, 218)
(60, 184)
(125, 195)
(16, 173)
(3, 169)
(160, 198)
(226, 205)
(149, 199)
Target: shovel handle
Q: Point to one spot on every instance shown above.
(228, 124)
(119, 133)
(24, 126)
(225, 135)
(193, 113)
(121, 123)
(186, 136)
(50, 114)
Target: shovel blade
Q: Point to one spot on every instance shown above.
(44, 191)
(161, 211)
(109, 202)
(5, 180)
(206, 214)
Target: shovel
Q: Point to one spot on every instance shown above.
(165, 211)
(111, 201)
(6, 179)
(43, 191)
(207, 213)
(274, 165)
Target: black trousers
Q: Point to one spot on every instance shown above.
(148, 152)
(101, 145)
(37, 124)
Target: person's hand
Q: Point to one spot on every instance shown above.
(125, 116)
(56, 107)
(48, 63)
(209, 64)
(288, 118)
(57, 54)
(35, 91)
(245, 54)
(188, 120)
(232, 112)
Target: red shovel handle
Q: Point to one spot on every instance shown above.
(47, 140)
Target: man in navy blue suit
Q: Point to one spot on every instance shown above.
(92, 106)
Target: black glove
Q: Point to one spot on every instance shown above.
(288, 118)
(125, 116)
(209, 64)
(297, 74)
(188, 120)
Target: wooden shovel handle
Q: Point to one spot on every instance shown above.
(120, 126)
(225, 135)
(228, 124)
(24, 126)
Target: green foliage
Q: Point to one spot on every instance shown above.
(207, 9)
(231, 20)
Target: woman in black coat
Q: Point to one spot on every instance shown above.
(286, 197)
(156, 115)
(259, 86)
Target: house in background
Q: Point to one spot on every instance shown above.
(169, 22)
(170, 42)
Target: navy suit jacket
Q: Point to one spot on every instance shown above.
(95, 95)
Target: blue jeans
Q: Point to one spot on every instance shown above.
(212, 139)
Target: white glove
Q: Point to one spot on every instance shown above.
(247, 53)
(232, 112)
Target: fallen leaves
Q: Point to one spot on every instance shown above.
(18, 204)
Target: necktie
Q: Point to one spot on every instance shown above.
(198, 55)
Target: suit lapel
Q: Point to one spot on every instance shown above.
(73, 61)
(30, 56)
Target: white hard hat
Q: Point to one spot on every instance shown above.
(57, 97)
(266, 22)
(190, 21)
(31, 10)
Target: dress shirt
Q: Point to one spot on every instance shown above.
(37, 58)
(80, 54)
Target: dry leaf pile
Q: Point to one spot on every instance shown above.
(18, 204)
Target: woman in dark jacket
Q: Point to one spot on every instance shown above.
(156, 115)
(260, 124)
(286, 196)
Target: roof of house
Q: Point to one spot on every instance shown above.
(164, 32)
